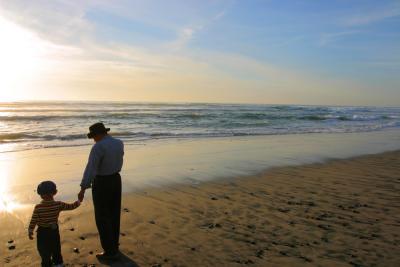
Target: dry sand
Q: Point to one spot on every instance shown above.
(342, 213)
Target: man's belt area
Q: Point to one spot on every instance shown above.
(107, 176)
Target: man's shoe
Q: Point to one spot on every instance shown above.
(107, 257)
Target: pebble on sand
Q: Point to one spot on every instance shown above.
(283, 253)
(244, 262)
(251, 226)
(284, 210)
(211, 225)
(306, 259)
(260, 253)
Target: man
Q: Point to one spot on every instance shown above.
(102, 174)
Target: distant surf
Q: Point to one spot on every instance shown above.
(29, 125)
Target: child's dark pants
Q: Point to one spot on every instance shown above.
(49, 247)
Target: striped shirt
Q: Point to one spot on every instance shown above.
(46, 213)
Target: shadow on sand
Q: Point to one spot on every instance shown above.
(124, 261)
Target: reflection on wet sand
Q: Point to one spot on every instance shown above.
(7, 203)
(162, 163)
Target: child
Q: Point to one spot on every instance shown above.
(45, 215)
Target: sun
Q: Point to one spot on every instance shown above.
(21, 59)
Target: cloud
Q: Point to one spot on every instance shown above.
(81, 67)
(65, 22)
(372, 16)
(57, 21)
(186, 34)
(327, 38)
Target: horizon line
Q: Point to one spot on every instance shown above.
(184, 103)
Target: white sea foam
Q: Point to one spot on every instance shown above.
(33, 125)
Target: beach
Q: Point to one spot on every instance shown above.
(212, 185)
(233, 133)
(343, 212)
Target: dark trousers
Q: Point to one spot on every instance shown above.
(49, 247)
(106, 191)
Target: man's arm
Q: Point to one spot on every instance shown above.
(90, 170)
(91, 167)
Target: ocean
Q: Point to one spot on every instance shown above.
(30, 125)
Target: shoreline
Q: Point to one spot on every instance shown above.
(161, 140)
(162, 163)
(343, 212)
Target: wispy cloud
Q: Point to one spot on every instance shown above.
(185, 34)
(82, 62)
(327, 38)
(372, 16)
(58, 21)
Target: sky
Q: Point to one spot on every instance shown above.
(335, 52)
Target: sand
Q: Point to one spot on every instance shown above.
(339, 213)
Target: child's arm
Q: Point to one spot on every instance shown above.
(33, 223)
(68, 206)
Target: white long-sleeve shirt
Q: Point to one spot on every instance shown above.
(106, 158)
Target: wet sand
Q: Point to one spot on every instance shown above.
(177, 161)
(340, 213)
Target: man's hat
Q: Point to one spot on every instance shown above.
(46, 188)
(97, 128)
